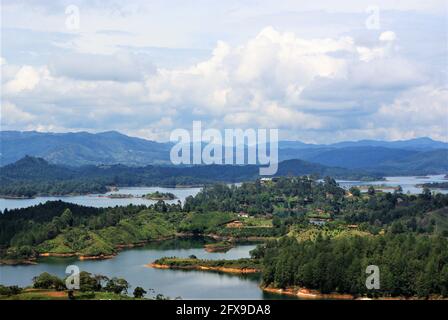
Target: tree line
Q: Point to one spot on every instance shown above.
(409, 265)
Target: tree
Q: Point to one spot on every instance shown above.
(70, 295)
(139, 292)
(87, 282)
(9, 291)
(67, 218)
(399, 190)
(355, 191)
(117, 285)
(426, 194)
(397, 227)
(48, 281)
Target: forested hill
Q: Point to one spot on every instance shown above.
(33, 176)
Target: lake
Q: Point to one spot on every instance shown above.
(408, 184)
(130, 265)
(100, 200)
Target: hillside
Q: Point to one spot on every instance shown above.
(82, 148)
(375, 160)
(421, 163)
(31, 168)
(359, 157)
(33, 176)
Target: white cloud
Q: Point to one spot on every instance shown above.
(387, 36)
(419, 111)
(12, 115)
(320, 89)
(266, 73)
(27, 78)
(280, 80)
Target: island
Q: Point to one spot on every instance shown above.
(241, 266)
(434, 185)
(160, 196)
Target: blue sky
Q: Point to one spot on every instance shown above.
(318, 71)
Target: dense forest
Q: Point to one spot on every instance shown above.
(289, 200)
(409, 265)
(31, 176)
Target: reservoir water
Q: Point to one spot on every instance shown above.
(101, 200)
(408, 184)
(130, 265)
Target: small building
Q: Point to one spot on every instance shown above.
(243, 214)
(265, 181)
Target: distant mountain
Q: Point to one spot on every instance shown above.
(421, 163)
(416, 156)
(378, 160)
(82, 148)
(357, 157)
(419, 144)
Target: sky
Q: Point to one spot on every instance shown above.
(319, 71)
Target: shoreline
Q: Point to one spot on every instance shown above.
(310, 294)
(103, 194)
(303, 293)
(12, 262)
(205, 268)
(79, 256)
(118, 247)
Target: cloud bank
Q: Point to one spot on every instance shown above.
(315, 89)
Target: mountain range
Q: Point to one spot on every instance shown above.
(416, 156)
